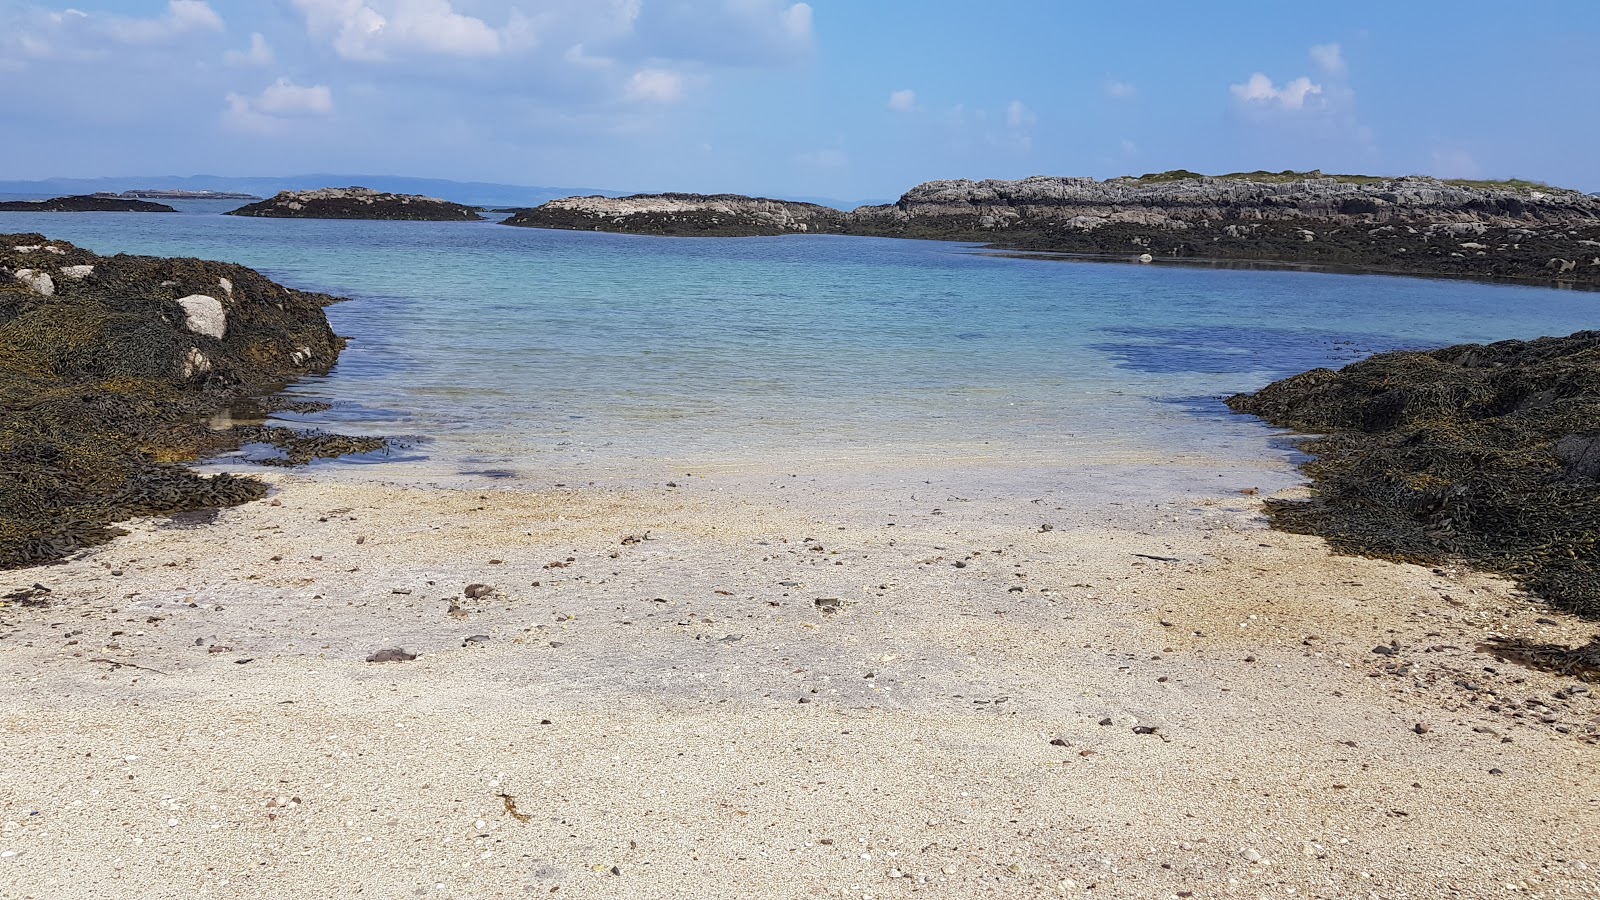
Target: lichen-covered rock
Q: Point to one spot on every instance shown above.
(204, 315)
(358, 203)
(700, 215)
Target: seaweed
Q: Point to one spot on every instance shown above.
(106, 389)
(1488, 454)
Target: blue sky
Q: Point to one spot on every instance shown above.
(832, 98)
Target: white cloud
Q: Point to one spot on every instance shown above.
(1329, 58)
(182, 16)
(1019, 116)
(903, 101)
(259, 54)
(377, 30)
(277, 106)
(1261, 92)
(655, 86)
(797, 21)
(35, 33)
(1120, 90)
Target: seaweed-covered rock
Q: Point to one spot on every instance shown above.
(107, 383)
(85, 203)
(683, 215)
(1489, 454)
(357, 203)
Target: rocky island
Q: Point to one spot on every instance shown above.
(1511, 230)
(85, 203)
(1504, 230)
(683, 215)
(110, 367)
(358, 203)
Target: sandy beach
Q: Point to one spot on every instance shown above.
(774, 685)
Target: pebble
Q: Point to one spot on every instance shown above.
(1251, 855)
(1422, 728)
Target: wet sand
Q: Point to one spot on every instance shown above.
(757, 686)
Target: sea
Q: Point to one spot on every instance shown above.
(489, 353)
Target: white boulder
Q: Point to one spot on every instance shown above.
(205, 315)
(77, 273)
(39, 282)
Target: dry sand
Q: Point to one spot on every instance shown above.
(759, 687)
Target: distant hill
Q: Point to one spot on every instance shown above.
(471, 193)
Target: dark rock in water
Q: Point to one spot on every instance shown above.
(110, 370)
(1482, 453)
(358, 203)
(84, 203)
(392, 654)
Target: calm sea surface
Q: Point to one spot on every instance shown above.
(553, 354)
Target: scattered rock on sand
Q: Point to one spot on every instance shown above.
(392, 654)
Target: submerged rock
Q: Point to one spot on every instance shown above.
(357, 203)
(1482, 453)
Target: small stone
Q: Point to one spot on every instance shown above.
(1496, 772)
(1107, 721)
(476, 640)
(1251, 855)
(477, 591)
(1422, 728)
(1060, 742)
(392, 654)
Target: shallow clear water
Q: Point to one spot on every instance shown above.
(561, 353)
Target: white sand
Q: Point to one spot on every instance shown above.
(678, 709)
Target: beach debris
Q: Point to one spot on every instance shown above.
(827, 604)
(391, 654)
(510, 802)
(1158, 558)
(1582, 661)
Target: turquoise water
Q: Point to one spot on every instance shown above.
(489, 348)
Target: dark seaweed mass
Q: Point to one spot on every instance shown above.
(84, 203)
(1489, 454)
(105, 390)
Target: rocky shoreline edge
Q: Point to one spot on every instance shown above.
(111, 367)
(1488, 454)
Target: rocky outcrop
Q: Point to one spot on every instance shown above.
(1510, 230)
(700, 215)
(1484, 453)
(1177, 201)
(358, 203)
(110, 368)
(84, 203)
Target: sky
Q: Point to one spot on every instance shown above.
(825, 98)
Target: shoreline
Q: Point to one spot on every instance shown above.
(714, 730)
